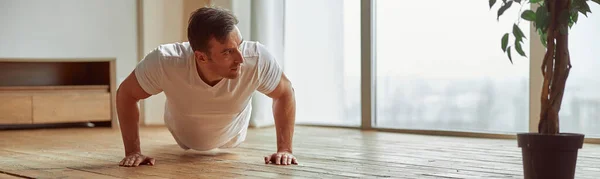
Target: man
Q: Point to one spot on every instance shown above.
(208, 83)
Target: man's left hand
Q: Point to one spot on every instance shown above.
(281, 158)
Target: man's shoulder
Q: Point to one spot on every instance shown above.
(175, 50)
(171, 55)
(252, 49)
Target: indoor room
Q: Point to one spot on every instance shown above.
(425, 89)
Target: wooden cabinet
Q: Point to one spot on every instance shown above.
(57, 91)
(15, 109)
(71, 107)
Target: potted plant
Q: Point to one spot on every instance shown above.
(548, 153)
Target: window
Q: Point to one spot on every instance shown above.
(442, 68)
(435, 67)
(322, 58)
(580, 108)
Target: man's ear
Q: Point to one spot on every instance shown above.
(200, 56)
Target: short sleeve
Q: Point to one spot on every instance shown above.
(149, 73)
(269, 71)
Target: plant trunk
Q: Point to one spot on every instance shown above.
(555, 67)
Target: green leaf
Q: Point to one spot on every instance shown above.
(509, 56)
(534, 1)
(504, 8)
(504, 42)
(571, 24)
(543, 37)
(492, 2)
(597, 1)
(519, 49)
(581, 6)
(541, 17)
(518, 33)
(574, 16)
(528, 15)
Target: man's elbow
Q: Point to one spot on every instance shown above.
(290, 92)
(287, 91)
(124, 95)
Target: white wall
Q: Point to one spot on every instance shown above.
(70, 28)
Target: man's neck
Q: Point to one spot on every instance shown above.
(206, 75)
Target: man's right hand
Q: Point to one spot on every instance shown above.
(136, 159)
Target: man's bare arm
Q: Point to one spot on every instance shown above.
(128, 94)
(284, 112)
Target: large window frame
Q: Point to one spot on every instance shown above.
(368, 83)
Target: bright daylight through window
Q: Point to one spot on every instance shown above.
(322, 58)
(441, 68)
(580, 108)
(437, 68)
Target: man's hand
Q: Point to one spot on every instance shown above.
(281, 158)
(128, 94)
(136, 159)
(284, 111)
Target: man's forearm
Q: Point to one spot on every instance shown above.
(284, 111)
(128, 113)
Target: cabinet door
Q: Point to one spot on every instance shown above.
(75, 107)
(15, 109)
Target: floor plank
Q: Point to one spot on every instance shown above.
(322, 153)
(4, 175)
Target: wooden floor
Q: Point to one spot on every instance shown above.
(322, 153)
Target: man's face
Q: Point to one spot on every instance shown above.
(225, 59)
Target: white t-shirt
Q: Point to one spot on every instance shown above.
(199, 116)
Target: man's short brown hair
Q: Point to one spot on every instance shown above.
(208, 22)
